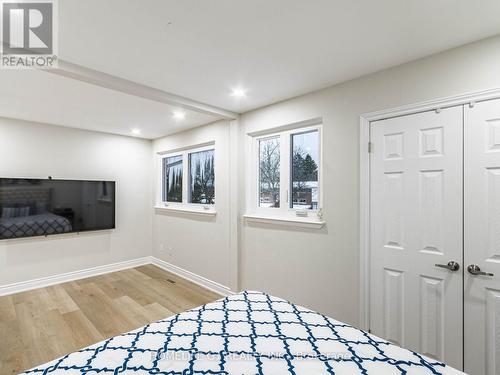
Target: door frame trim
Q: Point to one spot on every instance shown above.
(365, 121)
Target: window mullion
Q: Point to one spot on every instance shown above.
(284, 170)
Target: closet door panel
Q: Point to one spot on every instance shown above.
(482, 238)
(416, 223)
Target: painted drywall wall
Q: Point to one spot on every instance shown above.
(38, 150)
(195, 243)
(320, 268)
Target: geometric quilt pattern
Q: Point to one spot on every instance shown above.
(42, 226)
(246, 333)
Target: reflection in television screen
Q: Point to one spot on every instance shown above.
(42, 207)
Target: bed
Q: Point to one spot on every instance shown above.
(38, 221)
(246, 333)
(33, 225)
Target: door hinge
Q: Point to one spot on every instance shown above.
(370, 147)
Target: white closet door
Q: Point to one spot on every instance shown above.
(416, 223)
(482, 238)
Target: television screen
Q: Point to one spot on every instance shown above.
(42, 207)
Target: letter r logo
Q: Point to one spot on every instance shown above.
(27, 28)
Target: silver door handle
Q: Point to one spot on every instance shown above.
(452, 266)
(476, 271)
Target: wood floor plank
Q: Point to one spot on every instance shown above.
(99, 309)
(166, 295)
(82, 330)
(61, 299)
(10, 342)
(37, 301)
(131, 289)
(157, 273)
(135, 311)
(35, 341)
(7, 310)
(52, 325)
(40, 325)
(156, 312)
(108, 286)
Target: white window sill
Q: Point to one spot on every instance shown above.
(187, 209)
(298, 222)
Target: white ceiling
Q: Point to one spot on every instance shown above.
(48, 98)
(276, 49)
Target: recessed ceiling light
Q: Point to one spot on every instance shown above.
(239, 93)
(178, 115)
(136, 131)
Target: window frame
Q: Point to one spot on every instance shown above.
(285, 137)
(186, 177)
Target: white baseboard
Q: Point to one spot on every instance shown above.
(70, 276)
(188, 275)
(99, 270)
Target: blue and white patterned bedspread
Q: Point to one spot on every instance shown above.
(247, 333)
(33, 225)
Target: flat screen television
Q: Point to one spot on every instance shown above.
(42, 207)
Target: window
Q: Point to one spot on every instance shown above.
(172, 177)
(202, 177)
(269, 172)
(199, 167)
(305, 159)
(288, 170)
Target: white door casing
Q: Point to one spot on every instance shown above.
(416, 222)
(482, 238)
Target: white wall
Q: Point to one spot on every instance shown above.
(38, 150)
(320, 269)
(315, 268)
(198, 244)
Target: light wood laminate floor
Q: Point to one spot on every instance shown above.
(42, 324)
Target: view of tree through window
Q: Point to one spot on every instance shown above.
(172, 179)
(202, 177)
(269, 172)
(305, 160)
